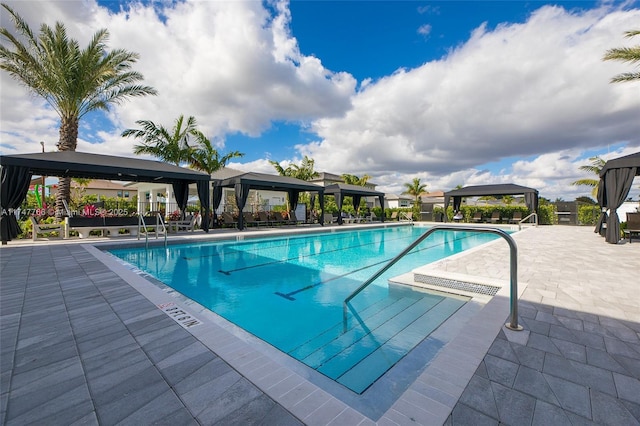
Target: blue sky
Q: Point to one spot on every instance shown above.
(451, 92)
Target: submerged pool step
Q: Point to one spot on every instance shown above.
(369, 369)
(349, 355)
(331, 343)
(335, 331)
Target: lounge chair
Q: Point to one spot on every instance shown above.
(228, 220)
(633, 226)
(279, 219)
(264, 218)
(249, 220)
(394, 216)
(496, 217)
(182, 225)
(45, 228)
(406, 217)
(477, 217)
(517, 217)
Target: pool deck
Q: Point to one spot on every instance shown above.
(83, 340)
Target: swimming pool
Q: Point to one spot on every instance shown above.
(288, 291)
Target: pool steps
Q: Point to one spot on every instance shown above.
(364, 353)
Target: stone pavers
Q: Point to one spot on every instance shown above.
(578, 359)
(79, 344)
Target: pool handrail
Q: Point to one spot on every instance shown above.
(143, 225)
(513, 321)
(535, 220)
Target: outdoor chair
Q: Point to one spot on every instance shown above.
(394, 216)
(249, 220)
(263, 217)
(228, 220)
(406, 217)
(182, 225)
(477, 217)
(633, 226)
(516, 218)
(45, 228)
(495, 217)
(329, 218)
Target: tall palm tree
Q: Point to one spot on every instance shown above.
(206, 158)
(72, 80)
(625, 54)
(355, 180)
(415, 188)
(595, 167)
(171, 146)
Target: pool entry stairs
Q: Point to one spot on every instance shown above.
(377, 337)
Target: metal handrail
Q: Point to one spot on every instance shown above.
(513, 321)
(535, 221)
(146, 234)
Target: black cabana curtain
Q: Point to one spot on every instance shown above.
(217, 198)
(531, 200)
(242, 192)
(203, 195)
(181, 192)
(356, 202)
(14, 184)
(617, 185)
(338, 198)
(294, 196)
(602, 220)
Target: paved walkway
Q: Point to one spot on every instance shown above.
(81, 345)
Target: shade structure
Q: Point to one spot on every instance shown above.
(341, 190)
(616, 178)
(72, 164)
(242, 182)
(530, 194)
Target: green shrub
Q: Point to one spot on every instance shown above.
(588, 214)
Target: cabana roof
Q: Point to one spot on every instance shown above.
(75, 164)
(266, 181)
(350, 190)
(17, 171)
(530, 194)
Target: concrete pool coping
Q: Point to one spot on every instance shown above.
(432, 398)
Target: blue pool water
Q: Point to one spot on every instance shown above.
(288, 291)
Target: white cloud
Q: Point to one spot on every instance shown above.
(231, 64)
(520, 90)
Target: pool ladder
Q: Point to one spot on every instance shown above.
(143, 225)
(513, 321)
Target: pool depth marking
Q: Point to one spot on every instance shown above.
(180, 316)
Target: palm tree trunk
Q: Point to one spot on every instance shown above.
(68, 142)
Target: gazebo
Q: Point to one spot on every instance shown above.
(18, 169)
(341, 190)
(530, 194)
(244, 182)
(616, 178)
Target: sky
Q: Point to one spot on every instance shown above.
(450, 92)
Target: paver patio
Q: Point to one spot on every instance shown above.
(82, 345)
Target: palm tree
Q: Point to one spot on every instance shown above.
(72, 80)
(355, 180)
(414, 189)
(595, 167)
(304, 171)
(625, 54)
(169, 146)
(206, 158)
